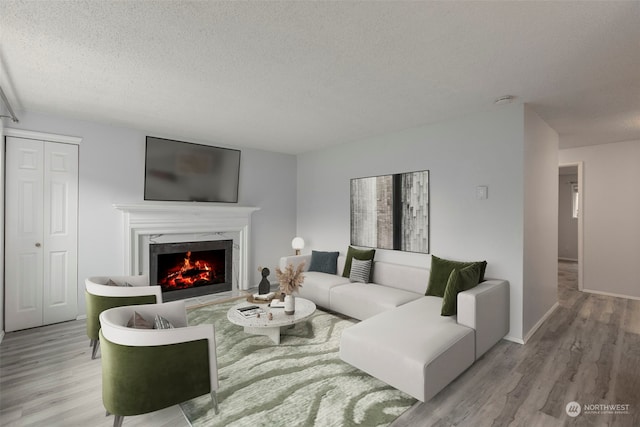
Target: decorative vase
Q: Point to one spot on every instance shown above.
(289, 304)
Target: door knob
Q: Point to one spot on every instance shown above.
(38, 245)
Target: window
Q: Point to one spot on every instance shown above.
(575, 198)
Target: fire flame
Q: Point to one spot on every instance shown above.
(188, 274)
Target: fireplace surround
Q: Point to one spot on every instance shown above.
(156, 222)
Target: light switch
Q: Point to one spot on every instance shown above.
(482, 192)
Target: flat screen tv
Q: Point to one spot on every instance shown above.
(185, 172)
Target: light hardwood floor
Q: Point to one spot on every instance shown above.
(587, 351)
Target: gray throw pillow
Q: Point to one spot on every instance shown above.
(124, 284)
(324, 262)
(162, 323)
(360, 270)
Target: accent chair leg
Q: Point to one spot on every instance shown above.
(214, 400)
(95, 343)
(117, 421)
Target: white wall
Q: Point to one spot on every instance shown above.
(567, 224)
(2, 112)
(540, 220)
(611, 208)
(480, 149)
(112, 171)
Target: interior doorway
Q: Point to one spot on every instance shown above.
(570, 218)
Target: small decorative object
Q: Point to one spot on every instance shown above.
(290, 281)
(264, 287)
(277, 302)
(297, 243)
(270, 316)
(261, 298)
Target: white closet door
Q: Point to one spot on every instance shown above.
(23, 233)
(41, 211)
(60, 299)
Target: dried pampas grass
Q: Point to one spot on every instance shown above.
(290, 279)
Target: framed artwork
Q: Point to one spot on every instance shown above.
(391, 211)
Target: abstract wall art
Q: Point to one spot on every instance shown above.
(391, 211)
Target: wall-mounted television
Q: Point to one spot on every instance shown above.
(186, 172)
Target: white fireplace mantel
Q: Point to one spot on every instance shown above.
(143, 220)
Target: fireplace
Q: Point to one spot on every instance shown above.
(162, 222)
(191, 269)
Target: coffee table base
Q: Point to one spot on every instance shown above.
(273, 333)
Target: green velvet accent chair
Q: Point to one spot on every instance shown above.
(99, 297)
(145, 370)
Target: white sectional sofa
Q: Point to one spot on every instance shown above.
(402, 339)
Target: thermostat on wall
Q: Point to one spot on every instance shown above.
(482, 192)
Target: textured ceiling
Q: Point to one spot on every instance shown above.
(297, 76)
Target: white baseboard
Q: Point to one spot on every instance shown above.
(540, 322)
(81, 316)
(1, 336)
(513, 339)
(610, 294)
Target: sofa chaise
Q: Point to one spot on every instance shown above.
(402, 338)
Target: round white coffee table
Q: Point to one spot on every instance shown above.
(271, 328)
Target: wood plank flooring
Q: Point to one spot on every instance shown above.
(587, 351)
(47, 378)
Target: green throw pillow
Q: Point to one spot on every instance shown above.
(459, 280)
(359, 254)
(441, 270)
